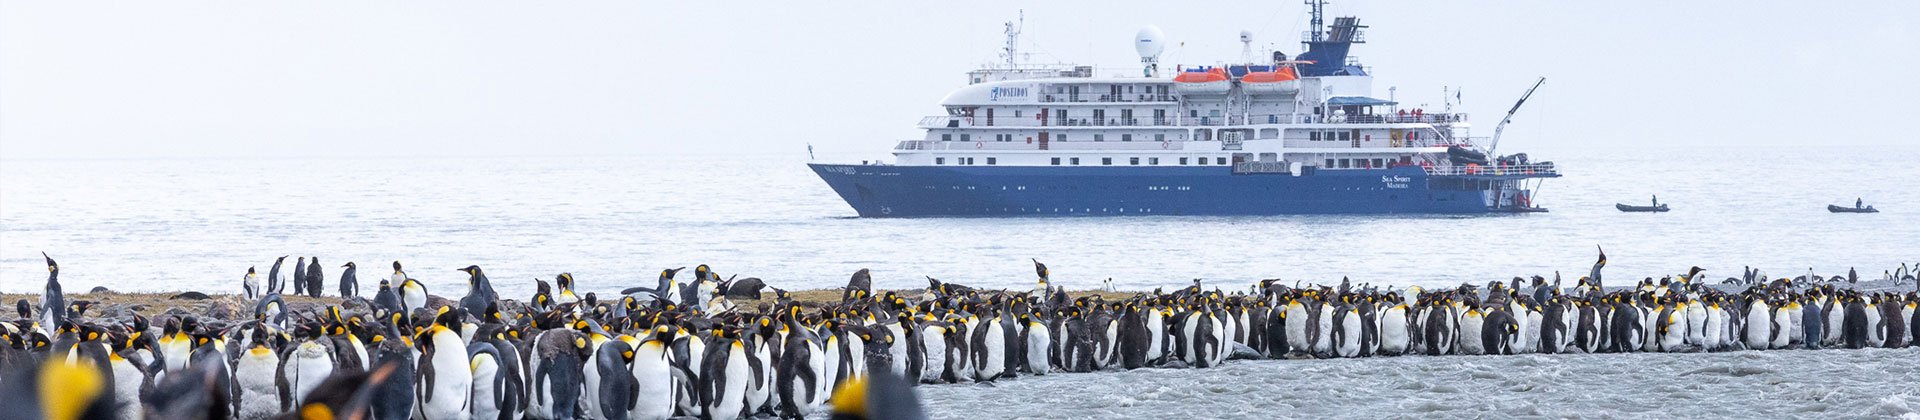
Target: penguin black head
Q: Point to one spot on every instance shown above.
(471, 270)
(396, 265)
(564, 280)
(668, 274)
(349, 264)
(25, 309)
(51, 266)
(78, 308)
(702, 272)
(1040, 269)
(250, 271)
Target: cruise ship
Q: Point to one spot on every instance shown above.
(1285, 135)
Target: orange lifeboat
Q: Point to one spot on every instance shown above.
(1212, 81)
(1283, 81)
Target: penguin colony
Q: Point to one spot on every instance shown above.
(686, 350)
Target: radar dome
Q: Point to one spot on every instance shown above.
(1246, 36)
(1149, 41)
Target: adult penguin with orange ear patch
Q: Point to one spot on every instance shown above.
(445, 384)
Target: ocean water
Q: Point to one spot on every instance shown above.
(198, 224)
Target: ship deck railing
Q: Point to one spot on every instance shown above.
(1536, 169)
(949, 121)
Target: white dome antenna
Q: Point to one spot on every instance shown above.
(1149, 43)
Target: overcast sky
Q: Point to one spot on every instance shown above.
(379, 78)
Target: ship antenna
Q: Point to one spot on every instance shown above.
(1012, 51)
(1317, 5)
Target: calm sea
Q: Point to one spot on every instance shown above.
(168, 225)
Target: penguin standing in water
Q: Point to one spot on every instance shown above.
(1553, 327)
(53, 303)
(349, 283)
(1628, 328)
(1472, 326)
(1497, 331)
(1782, 324)
(1346, 334)
(1854, 326)
(1759, 322)
(299, 276)
(1440, 332)
(1039, 338)
(1811, 325)
(1395, 333)
(314, 278)
(250, 285)
(445, 380)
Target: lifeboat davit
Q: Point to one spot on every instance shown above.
(1284, 81)
(1202, 82)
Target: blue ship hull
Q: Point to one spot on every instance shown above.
(973, 191)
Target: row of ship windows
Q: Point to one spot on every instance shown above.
(1107, 161)
(1055, 137)
(1357, 163)
(1024, 188)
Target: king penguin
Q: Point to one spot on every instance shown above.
(314, 279)
(299, 276)
(250, 285)
(349, 282)
(53, 303)
(445, 381)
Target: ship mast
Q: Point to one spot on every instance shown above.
(1317, 5)
(1012, 51)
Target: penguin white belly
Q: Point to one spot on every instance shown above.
(817, 360)
(1038, 340)
(1530, 332)
(1156, 334)
(538, 406)
(1112, 355)
(899, 350)
(993, 351)
(1783, 324)
(1190, 351)
(484, 393)
(177, 352)
(732, 397)
(654, 383)
(1759, 327)
(1469, 340)
(452, 378)
(1297, 327)
(1675, 338)
(1393, 331)
(1323, 344)
(696, 350)
(857, 356)
(1798, 328)
(1697, 325)
(1349, 345)
(309, 366)
(1836, 317)
(1650, 317)
(933, 340)
(1223, 343)
(126, 388)
(760, 389)
(1715, 330)
(830, 365)
(1876, 333)
(590, 381)
(254, 374)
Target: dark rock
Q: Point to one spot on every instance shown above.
(99, 289)
(178, 312)
(435, 302)
(219, 310)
